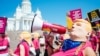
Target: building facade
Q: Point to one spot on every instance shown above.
(23, 17)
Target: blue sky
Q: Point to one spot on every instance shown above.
(54, 11)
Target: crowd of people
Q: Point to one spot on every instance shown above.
(81, 40)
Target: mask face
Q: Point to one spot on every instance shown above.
(69, 44)
(78, 29)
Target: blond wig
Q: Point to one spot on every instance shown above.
(35, 35)
(25, 35)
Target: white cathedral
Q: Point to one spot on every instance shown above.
(23, 17)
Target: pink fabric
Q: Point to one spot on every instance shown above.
(4, 42)
(98, 34)
(36, 43)
(62, 37)
(26, 46)
(3, 24)
(94, 41)
(72, 51)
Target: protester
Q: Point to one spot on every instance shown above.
(98, 35)
(78, 44)
(94, 41)
(42, 45)
(42, 41)
(4, 44)
(49, 37)
(50, 45)
(35, 40)
(56, 41)
(45, 35)
(25, 47)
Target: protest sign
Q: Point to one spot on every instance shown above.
(3, 24)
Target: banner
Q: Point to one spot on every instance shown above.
(76, 14)
(3, 24)
(94, 17)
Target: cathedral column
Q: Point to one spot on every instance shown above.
(22, 24)
(27, 25)
(30, 23)
(17, 24)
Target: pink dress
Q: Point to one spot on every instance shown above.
(94, 41)
(71, 52)
(98, 35)
(4, 42)
(26, 46)
(36, 43)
